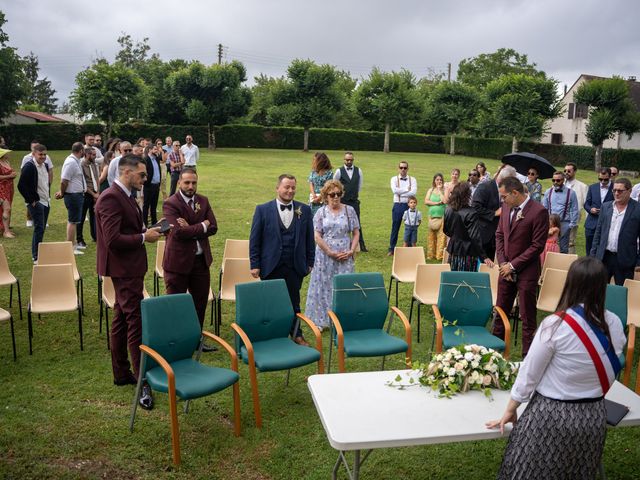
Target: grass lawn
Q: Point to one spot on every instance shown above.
(61, 416)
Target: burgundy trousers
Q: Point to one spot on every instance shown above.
(526, 290)
(197, 281)
(126, 329)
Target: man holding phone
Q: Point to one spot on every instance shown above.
(187, 255)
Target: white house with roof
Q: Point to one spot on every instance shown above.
(570, 128)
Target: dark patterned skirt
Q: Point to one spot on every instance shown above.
(463, 263)
(556, 440)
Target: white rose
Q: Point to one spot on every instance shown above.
(458, 366)
(452, 372)
(468, 356)
(475, 364)
(494, 367)
(474, 375)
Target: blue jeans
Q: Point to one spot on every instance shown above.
(410, 234)
(396, 220)
(39, 215)
(563, 241)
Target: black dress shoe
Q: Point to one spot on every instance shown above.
(146, 397)
(363, 249)
(207, 348)
(129, 380)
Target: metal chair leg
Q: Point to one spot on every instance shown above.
(286, 383)
(136, 395)
(413, 300)
(30, 329)
(19, 298)
(101, 315)
(13, 338)
(397, 282)
(419, 305)
(80, 326)
(389, 292)
(11, 296)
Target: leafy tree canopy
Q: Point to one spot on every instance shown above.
(12, 79)
(38, 94)
(481, 70)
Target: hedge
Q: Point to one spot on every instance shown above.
(60, 136)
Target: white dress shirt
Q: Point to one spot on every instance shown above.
(558, 365)
(72, 172)
(112, 173)
(286, 215)
(635, 192)
(605, 190)
(614, 230)
(29, 158)
(403, 188)
(204, 226)
(337, 175)
(191, 154)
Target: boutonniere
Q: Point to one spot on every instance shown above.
(196, 207)
(298, 211)
(519, 216)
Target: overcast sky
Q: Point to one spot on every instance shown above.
(564, 38)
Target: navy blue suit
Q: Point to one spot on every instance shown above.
(593, 201)
(620, 264)
(291, 260)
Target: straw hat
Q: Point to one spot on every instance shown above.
(4, 152)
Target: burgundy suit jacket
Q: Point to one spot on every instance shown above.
(180, 249)
(522, 242)
(120, 250)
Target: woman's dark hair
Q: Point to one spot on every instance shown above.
(433, 183)
(320, 162)
(460, 196)
(587, 284)
(483, 166)
(146, 151)
(108, 155)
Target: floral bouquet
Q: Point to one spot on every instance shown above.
(460, 369)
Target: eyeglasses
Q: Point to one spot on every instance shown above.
(557, 180)
(568, 171)
(532, 173)
(334, 194)
(619, 190)
(603, 179)
(473, 174)
(127, 150)
(403, 168)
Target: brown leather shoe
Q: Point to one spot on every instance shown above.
(301, 341)
(389, 254)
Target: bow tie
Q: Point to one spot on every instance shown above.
(286, 207)
(349, 168)
(403, 179)
(559, 189)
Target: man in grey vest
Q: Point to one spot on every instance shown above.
(351, 179)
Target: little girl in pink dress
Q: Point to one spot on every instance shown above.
(552, 239)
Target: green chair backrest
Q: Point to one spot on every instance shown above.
(263, 310)
(465, 297)
(616, 301)
(170, 326)
(360, 300)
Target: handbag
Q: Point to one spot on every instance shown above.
(435, 223)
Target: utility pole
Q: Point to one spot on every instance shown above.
(449, 71)
(219, 53)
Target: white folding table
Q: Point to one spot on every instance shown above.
(360, 412)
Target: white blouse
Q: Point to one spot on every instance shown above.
(558, 365)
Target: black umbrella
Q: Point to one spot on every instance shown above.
(523, 161)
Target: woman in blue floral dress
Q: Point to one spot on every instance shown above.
(337, 232)
(321, 171)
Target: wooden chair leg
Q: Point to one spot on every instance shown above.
(256, 398)
(236, 409)
(175, 432)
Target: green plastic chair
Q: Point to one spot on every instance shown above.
(616, 302)
(170, 335)
(358, 314)
(463, 310)
(263, 321)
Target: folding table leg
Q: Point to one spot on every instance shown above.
(357, 463)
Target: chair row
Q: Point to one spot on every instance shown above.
(262, 327)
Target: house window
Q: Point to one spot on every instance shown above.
(570, 110)
(575, 138)
(582, 110)
(556, 138)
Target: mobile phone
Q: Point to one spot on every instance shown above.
(163, 224)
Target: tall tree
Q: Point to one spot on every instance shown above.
(519, 106)
(611, 111)
(133, 54)
(39, 94)
(111, 92)
(211, 95)
(486, 67)
(163, 105)
(388, 99)
(262, 98)
(311, 97)
(11, 74)
(452, 106)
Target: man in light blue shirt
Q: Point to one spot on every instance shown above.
(562, 201)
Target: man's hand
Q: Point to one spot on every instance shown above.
(207, 223)
(255, 272)
(182, 222)
(594, 211)
(59, 195)
(498, 212)
(505, 270)
(152, 235)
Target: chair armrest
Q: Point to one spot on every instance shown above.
(438, 315)
(340, 335)
(628, 361)
(226, 346)
(407, 332)
(507, 331)
(171, 378)
(317, 334)
(245, 339)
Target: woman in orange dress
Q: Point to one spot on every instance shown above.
(7, 176)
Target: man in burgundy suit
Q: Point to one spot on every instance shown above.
(121, 255)
(520, 239)
(187, 255)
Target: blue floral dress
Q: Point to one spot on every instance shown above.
(335, 231)
(318, 182)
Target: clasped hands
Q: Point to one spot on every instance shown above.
(340, 256)
(506, 272)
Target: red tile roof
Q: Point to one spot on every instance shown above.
(39, 116)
